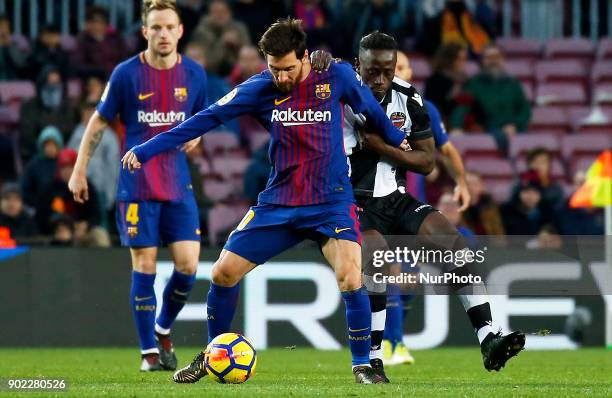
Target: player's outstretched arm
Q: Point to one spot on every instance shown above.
(419, 159)
(361, 100)
(91, 138)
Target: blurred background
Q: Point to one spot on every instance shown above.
(527, 136)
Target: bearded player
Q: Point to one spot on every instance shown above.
(308, 194)
(151, 92)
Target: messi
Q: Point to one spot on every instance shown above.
(289, 117)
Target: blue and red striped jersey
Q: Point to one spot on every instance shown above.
(309, 165)
(149, 101)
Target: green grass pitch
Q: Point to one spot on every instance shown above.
(443, 372)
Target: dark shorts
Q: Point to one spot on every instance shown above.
(395, 214)
(150, 224)
(267, 229)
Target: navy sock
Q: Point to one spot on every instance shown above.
(144, 304)
(358, 318)
(175, 296)
(221, 306)
(395, 320)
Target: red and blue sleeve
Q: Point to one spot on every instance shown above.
(111, 101)
(361, 100)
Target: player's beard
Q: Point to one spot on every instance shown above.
(287, 87)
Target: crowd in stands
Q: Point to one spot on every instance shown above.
(528, 118)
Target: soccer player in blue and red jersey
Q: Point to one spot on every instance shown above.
(151, 92)
(308, 194)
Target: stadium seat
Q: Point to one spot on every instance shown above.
(220, 142)
(68, 43)
(560, 94)
(575, 145)
(523, 143)
(603, 93)
(222, 218)
(519, 49)
(218, 191)
(258, 139)
(581, 163)
(476, 145)
(19, 90)
(569, 48)
(521, 69)
(488, 168)
(601, 72)
(557, 170)
(549, 118)
(560, 71)
(604, 49)
(500, 189)
(228, 167)
(420, 69)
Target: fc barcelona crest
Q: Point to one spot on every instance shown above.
(323, 91)
(180, 93)
(398, 119)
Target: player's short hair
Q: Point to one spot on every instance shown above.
(377, 41)
(159, 5)
(283, 37)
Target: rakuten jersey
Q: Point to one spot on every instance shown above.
(309, 165)
(149, 101)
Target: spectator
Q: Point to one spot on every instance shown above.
(450, 209)
(497, 100)
(99, 47)
(12, 213)
(521, 214)
(48, 51)
(547, 238)
(220, 37)
(256, 175)
(62, 228)
(12, 59)
(579, 221)
(103, 167)
(56, 200)
(483, 216)
(380, 15)
(454, 24)
(447, 79)
(216, 88)
(50, 107)
(8, 170)
(249, 63)
(539, 165)
(39, 171)
(258, 14)
(92, 87)
(317, 20)
(190, 12)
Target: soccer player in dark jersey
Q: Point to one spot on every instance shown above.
(389, 210)
(308, 194)
(151, 92)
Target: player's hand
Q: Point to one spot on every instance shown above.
(462, 196)
(190, 145)
(320, 60)
(78, 186)
(130, 161)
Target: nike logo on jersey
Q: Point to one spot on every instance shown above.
(278, 102)
(143, 97)
(142, 298)
(338, 230)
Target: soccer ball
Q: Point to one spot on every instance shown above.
(230, 358)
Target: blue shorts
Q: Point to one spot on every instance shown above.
(152, 224)
(267, 230)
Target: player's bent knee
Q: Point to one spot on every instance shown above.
(349, 278)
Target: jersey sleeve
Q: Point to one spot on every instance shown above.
(437, 125)
(239, 101)
(201, 101)
(361, 99)
(111, 101)
(421, 124)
